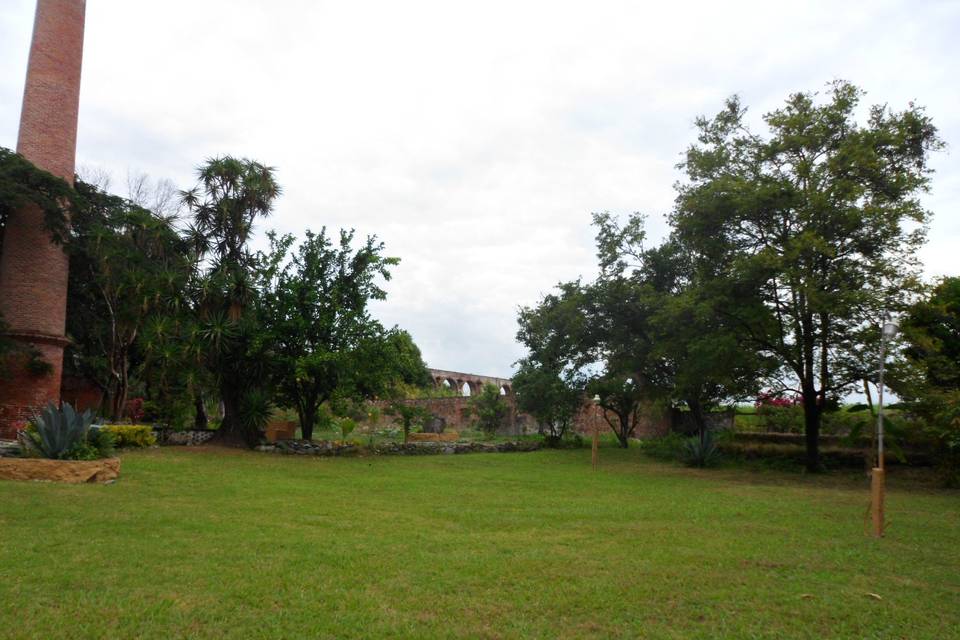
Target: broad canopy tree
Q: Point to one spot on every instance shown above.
(547, 394)
(127, 264)
(927, 374)
(315, 313)
(804, 237)
(640, 334)
(594, 338)
(786, 250)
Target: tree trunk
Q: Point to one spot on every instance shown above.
(308, 418)
(200, 420)
(811, 423)
(696, 412)
(231, 430)
(623, 435)
(118, 399)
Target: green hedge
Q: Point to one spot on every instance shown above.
(131, 435)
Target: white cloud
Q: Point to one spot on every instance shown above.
(475, 138)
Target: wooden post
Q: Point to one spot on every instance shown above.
(876, 499)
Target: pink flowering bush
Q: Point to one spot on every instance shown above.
(780, 413)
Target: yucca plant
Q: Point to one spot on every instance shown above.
(55, 433)
(347, 426)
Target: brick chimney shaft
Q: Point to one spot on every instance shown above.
(33, 270)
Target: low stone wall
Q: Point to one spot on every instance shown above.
(70, 471)
(326, 448)
(9, 449)
(427, 448)
(190, 437)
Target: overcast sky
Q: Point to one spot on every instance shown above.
(476, 138)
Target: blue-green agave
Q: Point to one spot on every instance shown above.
(56, 431)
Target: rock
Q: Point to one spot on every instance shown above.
(435, 424)
(9, 449)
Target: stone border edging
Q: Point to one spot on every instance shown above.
(326, 448)
(70, 471)
(186, 437)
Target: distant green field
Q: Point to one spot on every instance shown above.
(203, 543)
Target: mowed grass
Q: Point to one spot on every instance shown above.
(200, 543)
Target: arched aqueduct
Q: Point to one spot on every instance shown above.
(467, 384)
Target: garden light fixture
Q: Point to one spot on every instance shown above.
(877, 477)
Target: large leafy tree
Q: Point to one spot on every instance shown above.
(549, 383)
(231, 195)
(315, 313)
(622, 352)
(702, 356)
(489, 408)
(126, 265)
(597, 336)
(693, 357)
(549, 395)
(928, 376)
(804, 236)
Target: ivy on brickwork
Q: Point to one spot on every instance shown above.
(22, 183)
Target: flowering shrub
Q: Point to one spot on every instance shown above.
(780, 413)
(770, 399)
(131, 435)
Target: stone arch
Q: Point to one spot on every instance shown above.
(455, 380)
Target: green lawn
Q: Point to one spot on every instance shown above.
(230, 544)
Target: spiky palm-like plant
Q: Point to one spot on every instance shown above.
(701, 450)
(56, 431)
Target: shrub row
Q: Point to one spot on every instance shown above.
(131, 435)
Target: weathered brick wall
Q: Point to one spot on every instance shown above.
(455, 412)
(651, 422)
(33, 270)
(81, 394)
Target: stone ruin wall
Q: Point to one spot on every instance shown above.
(455, 413)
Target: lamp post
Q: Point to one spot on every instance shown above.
(877, 477)
(595, 457)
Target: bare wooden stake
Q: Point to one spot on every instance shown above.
(877, 478)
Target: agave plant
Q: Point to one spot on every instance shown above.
(701, 451)
(56, 432)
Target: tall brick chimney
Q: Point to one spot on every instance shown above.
(33, 270)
